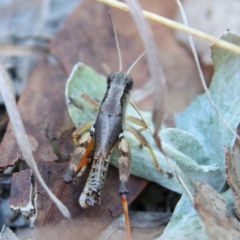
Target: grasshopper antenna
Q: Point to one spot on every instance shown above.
(117, 43)
(136, 61)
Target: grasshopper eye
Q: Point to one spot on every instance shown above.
(110, 78)
(129, 84)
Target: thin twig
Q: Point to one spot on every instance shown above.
(13, 50)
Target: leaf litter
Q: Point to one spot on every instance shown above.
(45, 210)
(44, 112)
(21, 137)
(209, 169)
(55, 135)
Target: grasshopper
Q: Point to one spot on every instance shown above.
(102, 135)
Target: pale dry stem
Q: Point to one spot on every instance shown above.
(154, 62)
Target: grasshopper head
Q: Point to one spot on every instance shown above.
(120, 80)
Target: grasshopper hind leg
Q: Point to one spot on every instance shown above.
(124, 162)
(140, 137)
(79, 157)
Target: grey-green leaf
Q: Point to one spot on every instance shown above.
(190, 156)
(83, 79)
(200, 118)
(185, 223)
(201, 121)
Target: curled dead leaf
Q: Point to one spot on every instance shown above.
(219, 222)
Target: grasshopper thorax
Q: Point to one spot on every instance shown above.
(119, 85)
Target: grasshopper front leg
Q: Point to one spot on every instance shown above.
(79, 131)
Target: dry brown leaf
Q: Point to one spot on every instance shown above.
(93, 43)
(44, 113)
(9, 150)
(219, 222)
(84, 220)
(22, 138)
(233, 173)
